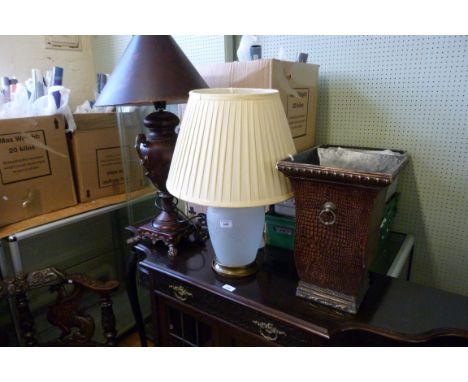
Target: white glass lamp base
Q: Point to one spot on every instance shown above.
(235, 234)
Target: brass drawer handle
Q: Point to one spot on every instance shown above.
(180, 292)
(327, 215)
(268, 330)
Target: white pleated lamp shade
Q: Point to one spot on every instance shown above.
(229, 143)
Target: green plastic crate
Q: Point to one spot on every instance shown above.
(280, 230)
(389, 214)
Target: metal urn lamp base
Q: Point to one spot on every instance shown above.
(155, 152)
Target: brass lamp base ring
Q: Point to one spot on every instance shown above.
(234, 272)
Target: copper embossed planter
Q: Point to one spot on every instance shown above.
(338, 215)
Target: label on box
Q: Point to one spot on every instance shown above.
(225, 223)
(228, 287)
(297, 113)
(23, 156)
(283, 230)
(109, 166)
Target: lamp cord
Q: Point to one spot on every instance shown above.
(198, 221)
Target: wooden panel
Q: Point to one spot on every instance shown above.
(263, 326)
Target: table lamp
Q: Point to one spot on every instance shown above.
(225, 158)
(154, 71)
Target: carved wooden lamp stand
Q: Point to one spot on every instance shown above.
(154, 71)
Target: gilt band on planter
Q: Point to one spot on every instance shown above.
(338, 215)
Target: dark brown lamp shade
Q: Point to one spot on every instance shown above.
(152, 69)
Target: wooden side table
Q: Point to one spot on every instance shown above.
(193, 306)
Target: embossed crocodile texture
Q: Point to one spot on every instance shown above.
(333, 256)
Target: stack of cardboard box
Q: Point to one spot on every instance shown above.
(35, 171)
(41, 172)
(96, 156)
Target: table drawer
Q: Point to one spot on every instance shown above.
(264, 326)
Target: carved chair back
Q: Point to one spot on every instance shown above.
(76, 326)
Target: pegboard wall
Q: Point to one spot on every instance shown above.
(202, 49)
(409, 93)
(199, 49)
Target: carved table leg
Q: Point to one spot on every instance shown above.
(25, 319)
(108, 320)
(4, 340)
(132, 293)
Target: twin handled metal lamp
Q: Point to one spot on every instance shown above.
(225, 158)
(154, 71)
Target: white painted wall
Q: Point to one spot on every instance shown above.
(108, 49)
(20, 54)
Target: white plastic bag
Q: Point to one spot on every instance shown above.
(243, 52)
(46, 105)
(19, 106)
(85, 107)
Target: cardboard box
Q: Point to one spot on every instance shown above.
(97, 158)
(296, 82)
(35, 170)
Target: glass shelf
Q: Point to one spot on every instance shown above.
(117, 201)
